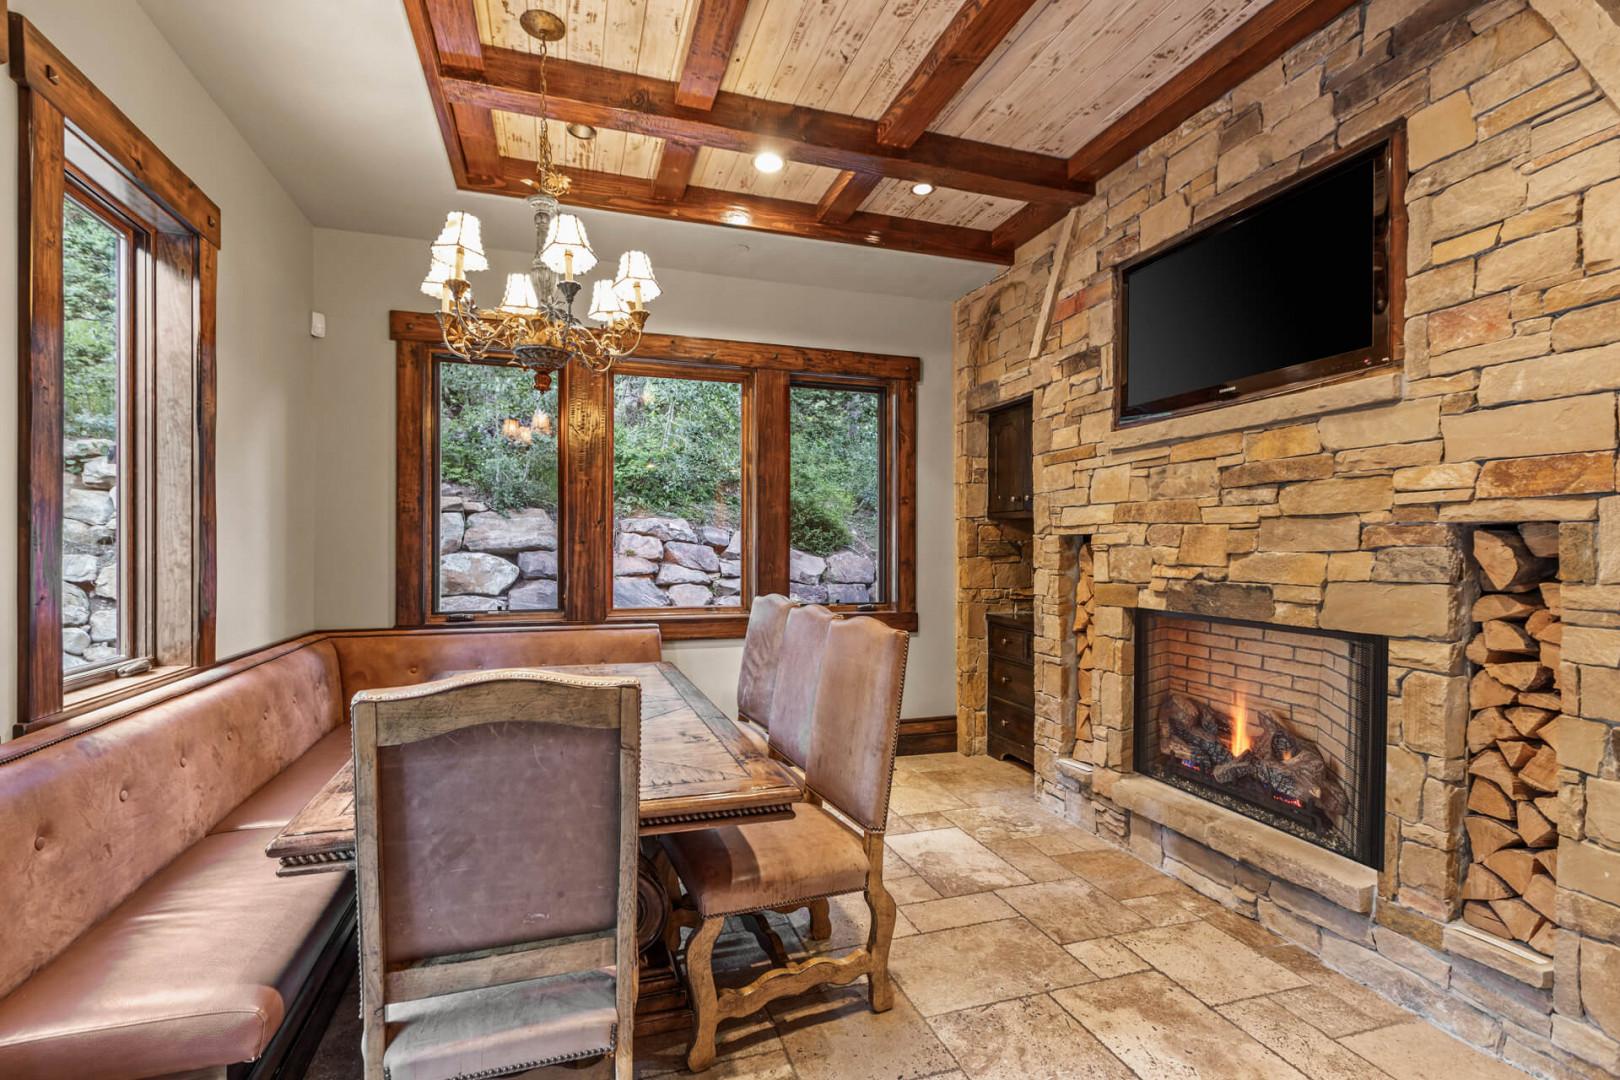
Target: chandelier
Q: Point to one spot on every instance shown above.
(535, 321)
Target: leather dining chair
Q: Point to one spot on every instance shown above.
(761, 656)
(496, 817)
(798, 676)
(781, 865)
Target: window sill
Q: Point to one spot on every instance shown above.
(85, 698)
(694, 625)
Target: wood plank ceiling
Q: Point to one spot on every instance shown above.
(1011, 109)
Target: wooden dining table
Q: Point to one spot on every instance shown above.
(699, 770)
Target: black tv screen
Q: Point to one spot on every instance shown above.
(1287, 290)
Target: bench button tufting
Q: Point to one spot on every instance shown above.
(39, 843)
(123, 794)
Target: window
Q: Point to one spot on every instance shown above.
(119, 253)
(677, 492)
(836, 506)
(673, 488)
(497, 520)
(98, 551)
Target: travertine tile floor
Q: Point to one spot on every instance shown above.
(1027, 948)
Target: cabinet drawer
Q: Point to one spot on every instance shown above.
(1011, 722)
(1011, 642)
(1012, 682)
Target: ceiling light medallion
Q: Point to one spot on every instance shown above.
(535, 321)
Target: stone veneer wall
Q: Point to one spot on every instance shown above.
(1348, 506)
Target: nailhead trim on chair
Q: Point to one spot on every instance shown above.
(769, 904)
(525, 1066)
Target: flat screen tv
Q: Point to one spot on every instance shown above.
(1288, 289)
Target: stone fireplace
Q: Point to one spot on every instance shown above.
(1481, 886)
(1280, 724)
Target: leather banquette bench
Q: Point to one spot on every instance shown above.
(144, 930)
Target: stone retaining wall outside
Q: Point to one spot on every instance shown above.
(494, 561)
(89, 553)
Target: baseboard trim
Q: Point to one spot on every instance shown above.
(928, 735)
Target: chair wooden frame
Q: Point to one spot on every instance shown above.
(401, 715)
(711, 1005)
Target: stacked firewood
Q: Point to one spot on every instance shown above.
(1085, 639)
(1512, 817)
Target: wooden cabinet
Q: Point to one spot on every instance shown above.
(1012, 478)
(1010, 689)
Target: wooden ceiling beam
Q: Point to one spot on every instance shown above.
(967, 41)
(627, 195)
(674, 170)
(1026, 224)
(845, 195)
(455, 34)
(425, 37)
(714, 35)
(620, 101)
(1266, 35)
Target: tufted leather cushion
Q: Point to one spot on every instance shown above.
(857, 718)
(793, 701)
(370, 661)
(275, 804)
(768, 863)
(194, 970)
(761, 658)
(86, 819)
(497, 1030)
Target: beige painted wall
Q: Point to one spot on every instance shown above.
(266, 563)
(360, 277)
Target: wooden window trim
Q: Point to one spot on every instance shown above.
(766, 373)
(61, 112)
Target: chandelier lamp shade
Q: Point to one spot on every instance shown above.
(534, 326)
(535, 321)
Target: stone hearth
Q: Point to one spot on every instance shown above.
(1350, 506)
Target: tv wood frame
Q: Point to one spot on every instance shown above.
(1388, 145)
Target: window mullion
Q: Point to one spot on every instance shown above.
(586, 539)
(768, 462)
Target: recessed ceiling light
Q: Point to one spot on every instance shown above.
(736, 217)
(922, 187)
(582, 132)
(767, 162)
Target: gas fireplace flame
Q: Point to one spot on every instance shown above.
(1240, 727)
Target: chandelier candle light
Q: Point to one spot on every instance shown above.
(535, 321)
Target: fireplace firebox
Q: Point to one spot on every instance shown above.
(1282, 724)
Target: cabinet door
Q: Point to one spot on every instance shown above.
(1012, 481)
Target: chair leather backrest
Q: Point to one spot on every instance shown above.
(798, 674)
(762, 652)
(857, 718)
(497, 812)
(88, 815)
(405, 657)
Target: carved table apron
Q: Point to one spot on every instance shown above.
(699, 770)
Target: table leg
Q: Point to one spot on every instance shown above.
(661, 1004)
